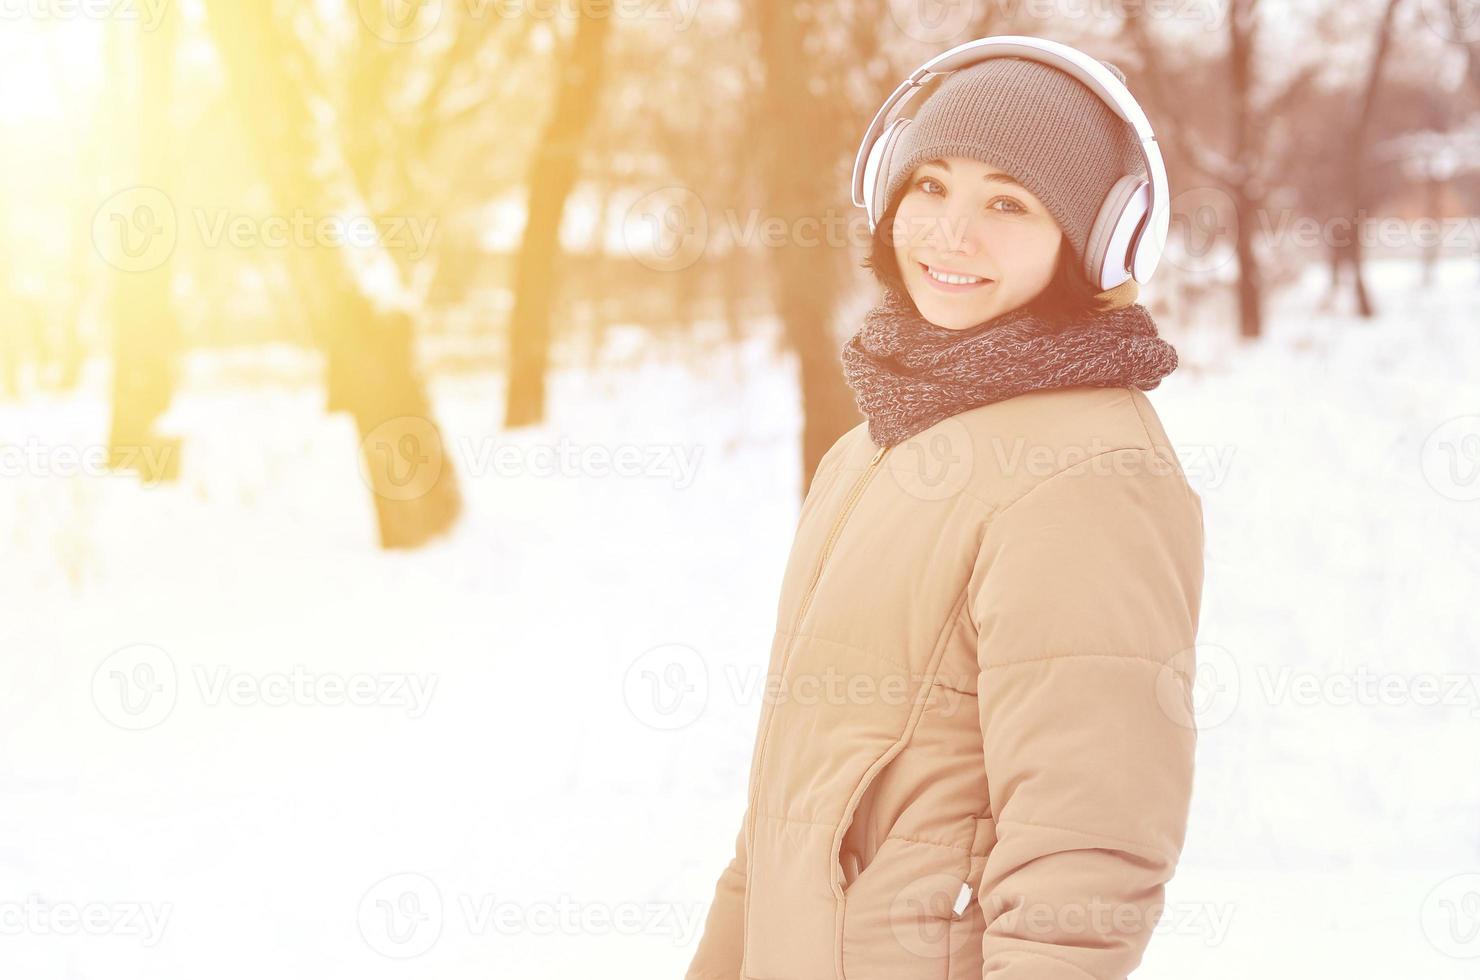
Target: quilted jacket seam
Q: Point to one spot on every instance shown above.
(1073, 466)
(931, 843)
(1127, 657)
(1074, 830)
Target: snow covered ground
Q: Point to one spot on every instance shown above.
(237, 741)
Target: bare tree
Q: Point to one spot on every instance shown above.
(552, 173)
(1348, 253)
(1240, 169)
(367, 341)
(146, 329)
(799, 144)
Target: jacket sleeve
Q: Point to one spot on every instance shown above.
(721, 945)
(1085, 595)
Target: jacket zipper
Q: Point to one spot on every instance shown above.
(827, 545)
(848, 503)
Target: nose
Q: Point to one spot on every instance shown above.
(956, 234)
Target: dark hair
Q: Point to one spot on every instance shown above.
(1068, 294)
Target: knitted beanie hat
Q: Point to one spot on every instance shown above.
(1039, 124)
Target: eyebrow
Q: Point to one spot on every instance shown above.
(1000, 178)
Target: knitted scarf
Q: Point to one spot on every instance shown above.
(908, 374)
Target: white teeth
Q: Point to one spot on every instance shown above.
(952, 278)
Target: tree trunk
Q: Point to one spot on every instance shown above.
(1356, 156)
(1241, 27)
(798, 163)
(146, 329)
(552, 173)
(368, 349)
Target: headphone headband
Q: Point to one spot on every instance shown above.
(1081, 66)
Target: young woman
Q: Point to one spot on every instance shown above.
(975, 755)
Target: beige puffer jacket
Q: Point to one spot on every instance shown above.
(975, 755)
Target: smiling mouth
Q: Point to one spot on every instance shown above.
(952, 282)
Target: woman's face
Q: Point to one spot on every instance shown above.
(965, 217)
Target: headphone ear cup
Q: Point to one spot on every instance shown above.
(880, 159)
(1110, 249)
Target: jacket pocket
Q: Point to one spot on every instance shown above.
(850, 857)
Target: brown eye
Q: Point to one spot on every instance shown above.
(1016, 207)
(920, 183)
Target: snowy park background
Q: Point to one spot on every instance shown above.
(246, 729)
(532, 797)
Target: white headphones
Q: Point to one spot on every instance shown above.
(1122, 242)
